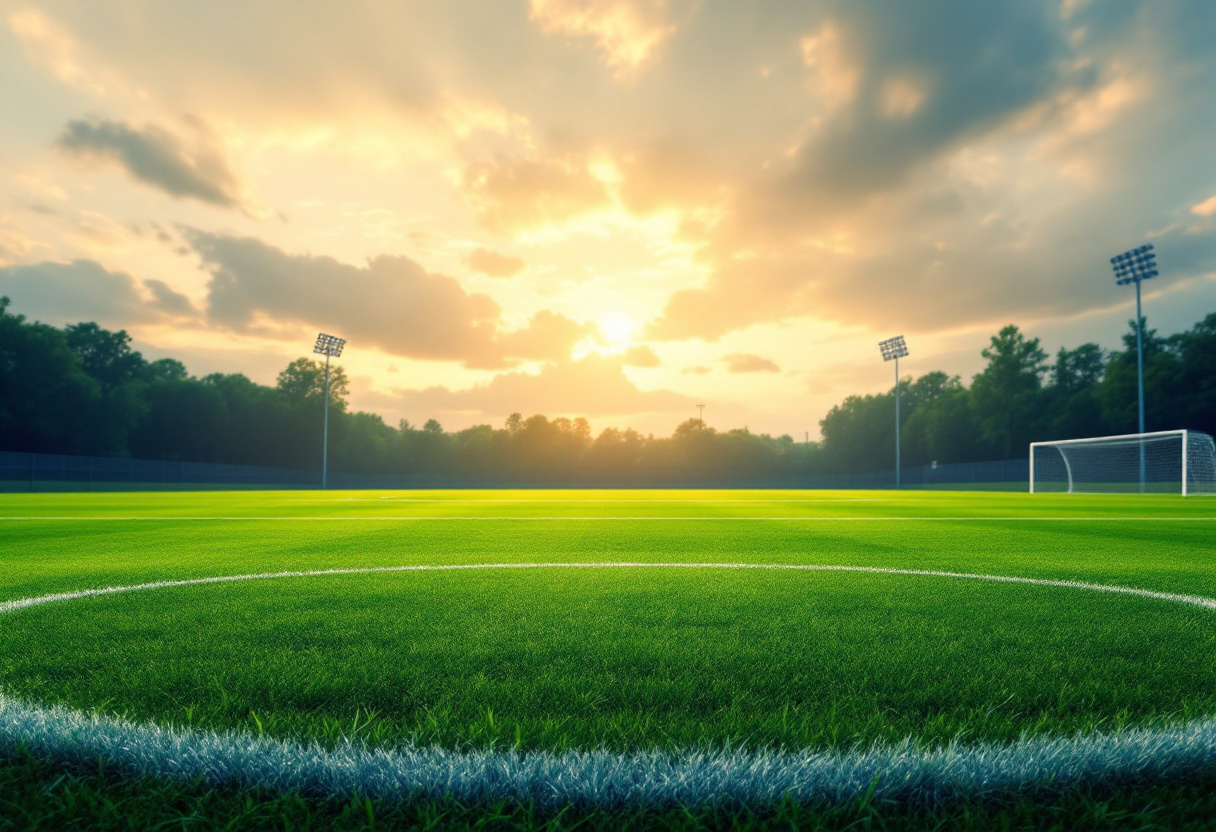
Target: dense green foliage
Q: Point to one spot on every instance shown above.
(1020, 398)
(83, 390)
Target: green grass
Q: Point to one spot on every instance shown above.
(618, 658)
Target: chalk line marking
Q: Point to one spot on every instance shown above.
(1034, 766)
(23, 603)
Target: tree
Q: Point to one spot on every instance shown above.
(1196, 384)
(1006, 394)
(859, 433)
(303, 381)
(1079, 368)
(166, 369)
(46, 397)
(106, 356)
(1119, 395)
(119, 371)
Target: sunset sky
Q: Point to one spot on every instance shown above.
(616, 209)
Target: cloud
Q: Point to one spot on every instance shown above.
(1207, 208)
(392, 304)
(626, 32)
(965, 164)
(192, 167)
(521, 194)
(920, 79)
(83, 290)
(170, 301)
(538, 340)
(894, 167)
(591, 386)
(493, 264)
(640, 356)
(742, 362)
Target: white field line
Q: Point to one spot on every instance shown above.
(1034, 766)
(576, 519)
(1194, 600)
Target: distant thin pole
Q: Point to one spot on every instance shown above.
(897, 476)
(1134, 266)
(701, 416)
(1140, 380)
(331, 347)
(325, 433)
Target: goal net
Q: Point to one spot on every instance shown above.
(1166, 462)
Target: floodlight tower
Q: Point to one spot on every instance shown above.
(329, 346)
(895, 349)
(1135, 266)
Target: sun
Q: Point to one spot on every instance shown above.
(616, 328)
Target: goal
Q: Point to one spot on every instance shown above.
(1166, 462)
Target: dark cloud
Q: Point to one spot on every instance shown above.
(1031, 159)
(493, 264)
(194, 168)
(592, 386)
(83, 290)
(392, 303)
(640, 356)
(742, 362)
(170, 301)
(924, 77)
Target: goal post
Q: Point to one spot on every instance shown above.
(1163, 462)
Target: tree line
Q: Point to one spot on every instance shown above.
(83, 390)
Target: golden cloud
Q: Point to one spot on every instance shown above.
(626, 32)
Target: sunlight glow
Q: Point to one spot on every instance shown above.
(616, 328)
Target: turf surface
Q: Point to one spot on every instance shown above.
(622, 658)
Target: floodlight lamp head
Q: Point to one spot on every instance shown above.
(330, 345)
(1135, 265)
(893, 348)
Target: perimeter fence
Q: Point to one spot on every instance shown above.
(57, 472)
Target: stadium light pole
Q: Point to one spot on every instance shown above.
(894, 349)
(1135, 266)
(329, 346)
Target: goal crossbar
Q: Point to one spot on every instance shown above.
(1095, 439)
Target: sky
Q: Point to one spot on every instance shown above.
(618, 209)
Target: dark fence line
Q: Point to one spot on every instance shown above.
(60, 472)
(57, 472)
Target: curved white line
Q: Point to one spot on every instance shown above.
(22, 603)
(610, 780)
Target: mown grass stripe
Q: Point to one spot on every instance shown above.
(593, 519)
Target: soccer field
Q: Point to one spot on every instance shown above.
(516, 626)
